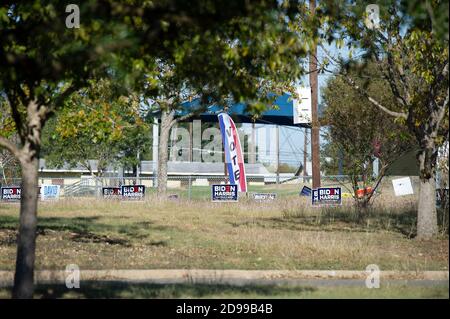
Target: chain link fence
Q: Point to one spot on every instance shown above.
(197, 187)
(184, 186)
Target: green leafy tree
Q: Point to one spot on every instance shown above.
(97, 123)
(357, 134)
(413, 59)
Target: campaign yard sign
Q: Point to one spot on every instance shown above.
(133, 192)
(111, 192)
(49, 191)
(11, 193)
(224, 193)
(264, 196)
(326, 196)
(402, 186)
(306, 191)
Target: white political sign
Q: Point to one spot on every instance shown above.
(302, 106)
(402, 186)
(50, 191)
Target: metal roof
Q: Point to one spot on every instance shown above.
(282, 112)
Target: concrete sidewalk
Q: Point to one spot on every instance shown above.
(237, 277)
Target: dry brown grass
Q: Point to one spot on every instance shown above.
(284, 234)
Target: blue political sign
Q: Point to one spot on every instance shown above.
(326, 196)
(224, 193)
(133, 192)
(49, 191)
(306, 191)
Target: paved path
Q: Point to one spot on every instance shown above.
(240, 277)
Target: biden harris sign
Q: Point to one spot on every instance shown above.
(224, 193)
(133, 192)
(11, 193)
(326, 196)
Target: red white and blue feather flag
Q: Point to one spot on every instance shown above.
(234, 157)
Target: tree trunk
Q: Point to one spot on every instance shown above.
(163, 153)
(427, 226)
(427, 216)
(26, 241)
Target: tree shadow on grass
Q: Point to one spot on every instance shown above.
(117, 289)
(89, 229)
(340, 220)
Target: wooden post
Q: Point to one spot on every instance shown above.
(315, 129)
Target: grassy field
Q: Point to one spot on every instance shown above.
(284, 234)
(124, 290)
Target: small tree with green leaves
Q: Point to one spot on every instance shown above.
(100, 123)
(358, 134)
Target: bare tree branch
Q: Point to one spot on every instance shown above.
(379, 178)
(389, 76)
(361, 91)
(444, 73)
(61, 98)
(10, 146)
(189, 115)
(394, 67)
(442, 110)
(14, 106)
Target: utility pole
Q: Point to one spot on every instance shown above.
(315, 144)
